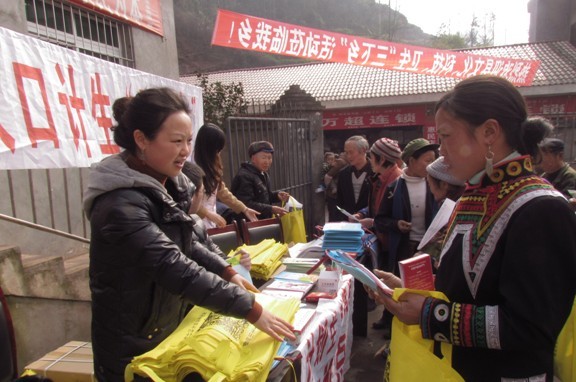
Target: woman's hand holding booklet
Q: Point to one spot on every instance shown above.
(359, 271)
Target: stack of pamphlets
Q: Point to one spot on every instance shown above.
(311, 250)
(301, 265)
(344, 236)
(290, 285)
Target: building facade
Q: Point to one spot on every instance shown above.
(552, 20)
(116, 30)
(379, 102)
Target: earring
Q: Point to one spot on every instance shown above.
(489, 161)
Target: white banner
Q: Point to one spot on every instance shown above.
(56, 104)
(326, 346)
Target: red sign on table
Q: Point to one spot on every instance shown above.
(240, 31)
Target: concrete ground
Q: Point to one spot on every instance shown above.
(364, 366)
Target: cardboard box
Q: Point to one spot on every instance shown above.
(72, 362)
(328, 281)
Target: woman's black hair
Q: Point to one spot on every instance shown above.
(378, 158)
(479, 98)
(194, 173)
(210, 140)
(146, 111)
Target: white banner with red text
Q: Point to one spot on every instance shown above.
(146, 14)
(235, 30)
(56, 104)
(327, 345)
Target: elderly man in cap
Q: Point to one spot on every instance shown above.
(251, 184)
(556, 171)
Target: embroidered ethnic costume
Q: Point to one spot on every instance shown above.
(483, 249)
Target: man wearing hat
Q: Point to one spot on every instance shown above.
(384, 158)
(251, 184)
(556, 171)
(407, 208)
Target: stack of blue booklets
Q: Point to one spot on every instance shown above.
(345, 236)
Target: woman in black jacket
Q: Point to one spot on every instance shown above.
(146, 264)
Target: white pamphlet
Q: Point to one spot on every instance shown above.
(439, 221)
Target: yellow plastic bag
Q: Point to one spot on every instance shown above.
(293, 227)
(217, 347)
(411, 356)
(565, 357)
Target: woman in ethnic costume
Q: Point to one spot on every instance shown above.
(507, 265)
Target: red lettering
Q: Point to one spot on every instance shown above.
(35, 134)
(341, 352)
(99, 103)
(76, 103)
(321, 343)
(7, 139)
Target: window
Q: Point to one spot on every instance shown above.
(82, 30)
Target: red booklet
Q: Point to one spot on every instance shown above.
(416, 272)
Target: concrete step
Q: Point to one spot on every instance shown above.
(44, 275)
(77, 263)
(77, 277)
(11, 273)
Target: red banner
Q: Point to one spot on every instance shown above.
(146, 14)
(240, 31)
(551, 105)
(373, 118)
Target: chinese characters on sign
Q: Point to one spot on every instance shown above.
(373, 118)
(551, 105)
(56, 104)
(240, 31)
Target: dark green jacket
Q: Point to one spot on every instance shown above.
(563, 179)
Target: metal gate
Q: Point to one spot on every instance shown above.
(291, 169)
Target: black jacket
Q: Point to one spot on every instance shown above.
(146, 265)
(252, 187)
(345, 197)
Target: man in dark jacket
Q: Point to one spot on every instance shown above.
(353, 180)
(557, 172)
(251, 184)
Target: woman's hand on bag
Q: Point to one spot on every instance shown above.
(275, 327)
(245, 259)
(283, 196)
(251, 214)
(279, 211)
(243, 283)
(216, 219)
(407, 309)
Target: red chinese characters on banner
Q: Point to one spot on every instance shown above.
(373, 118)
(100, 103)
(73, 102)
(35, 133)
(146, 14)
(240, 31)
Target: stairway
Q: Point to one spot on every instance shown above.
(51, 277)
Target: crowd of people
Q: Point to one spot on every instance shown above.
(504, 260)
